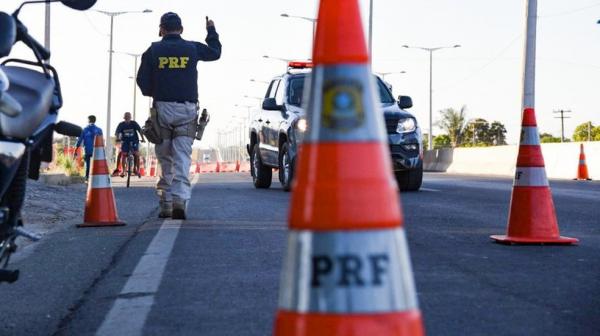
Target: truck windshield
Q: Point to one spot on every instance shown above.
(296, 91)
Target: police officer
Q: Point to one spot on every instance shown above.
(168, 74)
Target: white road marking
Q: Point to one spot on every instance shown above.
(429, 189)
(131, 309)
(129, 312)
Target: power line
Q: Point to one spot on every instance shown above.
(562, 122)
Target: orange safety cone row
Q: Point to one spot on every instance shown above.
(347, 269)
(582, 170)
(100, 207)
(532, 217)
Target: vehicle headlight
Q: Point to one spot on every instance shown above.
(301, 125)
(406, 125)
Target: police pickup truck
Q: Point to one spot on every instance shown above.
(277, 130)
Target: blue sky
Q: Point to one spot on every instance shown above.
(485, 74)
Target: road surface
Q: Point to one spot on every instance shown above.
(218, 273)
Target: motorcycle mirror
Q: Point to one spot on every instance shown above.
(79, 4)
(8, 27)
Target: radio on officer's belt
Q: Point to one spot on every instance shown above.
(202, 122)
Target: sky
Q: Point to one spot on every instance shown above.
(485, 74)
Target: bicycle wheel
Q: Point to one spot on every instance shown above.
(129, 165)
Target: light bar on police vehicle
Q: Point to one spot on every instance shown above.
(300, 65)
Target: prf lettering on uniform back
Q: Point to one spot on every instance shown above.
(173, 62)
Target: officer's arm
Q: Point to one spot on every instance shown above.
(211, 51)
(144, 76)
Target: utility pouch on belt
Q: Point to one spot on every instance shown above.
(151, 129)
(202, 122)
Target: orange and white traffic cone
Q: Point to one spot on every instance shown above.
(142, 167)
(100, 207)
(532, 217)
(237, 166)
(582, 170)
(153, 168)
(198, 167)
(347, 269)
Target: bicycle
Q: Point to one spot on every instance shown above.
(129, 163)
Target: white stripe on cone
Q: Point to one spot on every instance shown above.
(101, 181)
(530, 136)
(99, 154)
(531, 177)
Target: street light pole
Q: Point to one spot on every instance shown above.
(112, 15)
(47, 27)
(431, 50)
(312, 20)
(530, 55)
(371, 32)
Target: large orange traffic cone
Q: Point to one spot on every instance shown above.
(347, 270)
(582, 171)
(532, 217)
(100, 207)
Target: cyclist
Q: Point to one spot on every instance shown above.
(127, 134)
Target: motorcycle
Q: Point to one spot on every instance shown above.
(30, 100)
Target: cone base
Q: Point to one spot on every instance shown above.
(582, 179)
(503, 239)
(101, 224)
(310, 324)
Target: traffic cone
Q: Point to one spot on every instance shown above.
(347, 269)
(532, 217)
(198, 167)
(100, 207)
(218, 168)
(582, 171)
(142, 167)
(153, 168)
(237, 166)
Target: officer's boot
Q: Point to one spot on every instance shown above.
(166, 209)
(179, 209)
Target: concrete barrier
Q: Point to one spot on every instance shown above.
(561, 160)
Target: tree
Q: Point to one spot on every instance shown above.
(453, 122)
(497, 134)
(477, 132)
(586, 132)
(548, 138)
(442, 141)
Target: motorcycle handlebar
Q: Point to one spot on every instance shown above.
(23, 36)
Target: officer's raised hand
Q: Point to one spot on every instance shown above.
(209, 23)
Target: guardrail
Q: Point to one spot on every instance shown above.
(561, 159)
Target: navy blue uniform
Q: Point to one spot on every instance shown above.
(129, 135)
(168, 70)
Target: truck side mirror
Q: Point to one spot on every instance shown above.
(269, 104)
(405, 102)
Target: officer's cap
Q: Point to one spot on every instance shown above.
(170, 21)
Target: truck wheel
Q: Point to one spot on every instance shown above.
(286, 167)
(261, 174)
(410, 180)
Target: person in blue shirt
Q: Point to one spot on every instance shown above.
(127, 134)
(87, 138)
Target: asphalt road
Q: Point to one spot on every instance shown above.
(218, 273)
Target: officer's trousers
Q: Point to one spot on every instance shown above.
(175, 155)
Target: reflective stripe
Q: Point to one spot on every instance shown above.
(530, 136)
(99, 153)
(531, 177)
(101, 181)
(582, 162)
(342, 106)
(347, 272)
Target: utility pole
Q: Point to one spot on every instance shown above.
(562, 122)
(47, 27)
(530, 56)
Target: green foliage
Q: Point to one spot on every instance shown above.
(586, 131)
(480, 133)
(453, 122)
(442, 141)
(548, 138)
(70, 166)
